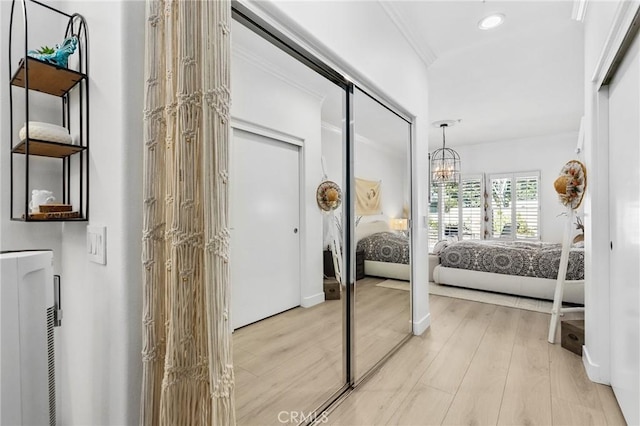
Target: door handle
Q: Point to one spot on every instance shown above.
(295, 230)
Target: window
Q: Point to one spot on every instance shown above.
(444, 212)
(450, 212)
(453, 204)
(434, 221)
(515, 205)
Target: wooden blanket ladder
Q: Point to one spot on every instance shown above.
(557, 311)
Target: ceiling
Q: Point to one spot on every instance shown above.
(520, 80)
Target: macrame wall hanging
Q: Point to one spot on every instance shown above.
(187, 361)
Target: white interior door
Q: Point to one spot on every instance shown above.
(265, 218)
(624, 205)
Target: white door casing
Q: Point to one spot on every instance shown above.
(265, 221)
(624, 230)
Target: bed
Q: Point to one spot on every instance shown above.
(386, 253)
(514, 267)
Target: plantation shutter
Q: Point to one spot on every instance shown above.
(434, 217)
(449, 209)
(515, 205)
(472, 207)
(501, 211)
(527, 207)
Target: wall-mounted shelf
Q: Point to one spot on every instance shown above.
(46, 78)
(55, 216)
(47, 149)
(71, 85)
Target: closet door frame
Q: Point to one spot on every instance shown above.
(598, 325)
(623, 37)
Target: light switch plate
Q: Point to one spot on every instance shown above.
(97, 244)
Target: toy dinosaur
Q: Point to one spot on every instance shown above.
(60, 55)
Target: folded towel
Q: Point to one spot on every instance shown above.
(45, 132)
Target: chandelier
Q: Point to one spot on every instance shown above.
(445, 162)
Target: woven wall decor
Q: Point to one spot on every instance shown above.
(188, 374)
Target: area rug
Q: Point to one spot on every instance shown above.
(477, 296)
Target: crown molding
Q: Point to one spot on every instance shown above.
(423, 50)
(268, 67)
(271, 13)
(378, 146)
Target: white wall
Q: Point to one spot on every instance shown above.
(265, 99)
(98, 346)
(99, 361)
(372, 161)
(363, 42)
(44, 172)
(375, 163)
(546, 154)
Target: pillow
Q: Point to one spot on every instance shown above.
(442, 244)
(370, 228)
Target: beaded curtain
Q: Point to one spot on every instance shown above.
(187, 361)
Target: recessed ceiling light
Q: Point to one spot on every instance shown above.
(491, 21)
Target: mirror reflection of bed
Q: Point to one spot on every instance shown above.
(381, 166)
(383, 293)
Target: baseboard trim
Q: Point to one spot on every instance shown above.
(594, 371)
(312, 300)
(422, 325)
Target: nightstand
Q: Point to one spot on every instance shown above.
(327, 261)
(328, 264)
(359, 264)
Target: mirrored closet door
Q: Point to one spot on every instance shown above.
(381, 164)
(311, 313)
(288, 340)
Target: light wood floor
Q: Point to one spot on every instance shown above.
(480, 364)
(294, 361)
(383, 319)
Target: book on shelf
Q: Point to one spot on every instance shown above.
(48, 208)
(53, 215)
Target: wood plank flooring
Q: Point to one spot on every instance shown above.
(382, 320)
(480, 364)
(291, 361)
(294, 361)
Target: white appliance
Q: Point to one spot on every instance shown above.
(28, 312)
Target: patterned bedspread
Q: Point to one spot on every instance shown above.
(528, 259)
(385, 247)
